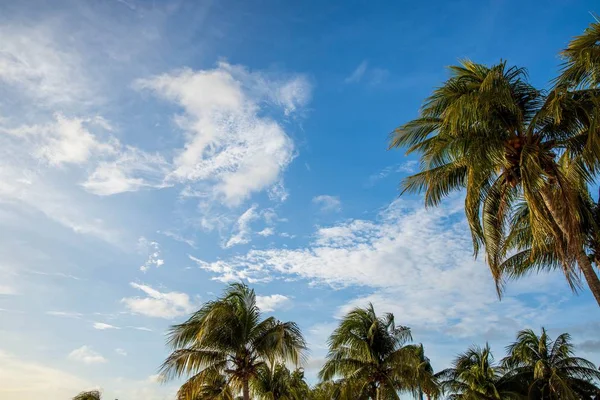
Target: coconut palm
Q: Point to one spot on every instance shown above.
(474, 376)
(227, 341)
(343, 389)
(511, 147)
(89, 395)
(277, 382)
(424, 375)
(371, 354)
(582, 60)
(548, 369)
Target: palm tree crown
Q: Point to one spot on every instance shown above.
(548, 369)
(89, 395)
(370, 352)
(227, 337)
(277, 382)
(524, 158)
(474, 376)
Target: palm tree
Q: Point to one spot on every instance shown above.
(370, 353)
(277, 382)
(582, 60)
(548, 369)
(424, 375)
(511, 147)
(214, 386)
(343, 389)
(473, 376)
(226, 343)
(89, 395)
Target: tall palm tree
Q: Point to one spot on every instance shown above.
(371, 354)
(89, 395)
(582, 60)
(511, 147)
(277, 382)
(474, 376)
(227, 339)
(423, 374)
(548, 369)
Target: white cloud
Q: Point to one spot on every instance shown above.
(328, 203)
(86, 355)
(415, 262)
(121, 352)
(102, 326)
(158, 304)
(57, 274)
(242, 230)
(153, 250)
(278, 192)
(266, 232)
(24, 380)
(177, 237)
(31, 62)
(372, 76)
(358, 73)
(407, 167)
(64, 140)
(67, 314)
(272, 302)
(26, 190)
(141, 328)
(131, 170)
(232, 148)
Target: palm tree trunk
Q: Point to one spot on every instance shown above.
(582, 259)
(246, 390)
(590, 275)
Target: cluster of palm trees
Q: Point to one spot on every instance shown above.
(525, 159)
(227, 351)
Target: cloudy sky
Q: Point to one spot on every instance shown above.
(152, 152)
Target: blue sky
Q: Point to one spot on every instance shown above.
(151, 152)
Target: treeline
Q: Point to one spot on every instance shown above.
(227, 351)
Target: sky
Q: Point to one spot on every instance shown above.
(151, 152)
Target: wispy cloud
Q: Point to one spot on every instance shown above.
(266, 232)
(86, 355)
(369, 75)
(177, 237)
(328, 203)
(121, 352)
(103, 326)
(158, 304)
(152, 248)
(57, 274)
(407, 167)
(358, 73)
(415, 261)
(66, 314)
(242, 230)
(32, 63)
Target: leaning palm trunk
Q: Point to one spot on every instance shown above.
(575, 242)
